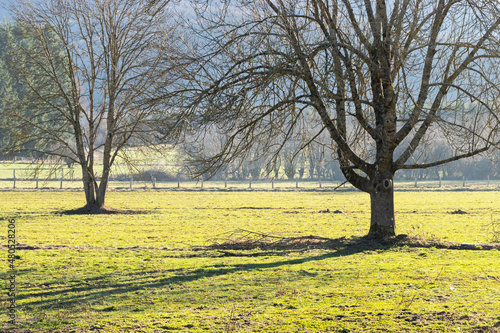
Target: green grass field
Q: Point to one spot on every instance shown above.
(182, 263)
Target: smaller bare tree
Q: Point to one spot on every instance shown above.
(89, 68)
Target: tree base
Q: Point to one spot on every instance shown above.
(381, 231)
(96, 210)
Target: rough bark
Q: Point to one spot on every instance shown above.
(382, 223)
(89, 189)
(102, 192)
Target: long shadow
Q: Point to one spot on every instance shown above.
(89, 293)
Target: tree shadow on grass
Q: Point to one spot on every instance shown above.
(98, 288)
(248, 240)
(69, 297)
(95, 210)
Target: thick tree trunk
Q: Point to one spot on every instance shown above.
(382, 210)
(102, 192)
(88, 187)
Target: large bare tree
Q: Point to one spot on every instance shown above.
(88, 66)
(381, 76)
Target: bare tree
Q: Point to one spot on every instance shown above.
(379, 75)
(90, 66)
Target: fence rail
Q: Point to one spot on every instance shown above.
(62, 183)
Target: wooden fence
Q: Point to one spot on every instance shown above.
(61, 181)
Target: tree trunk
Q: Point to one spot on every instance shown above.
(90, 190)
(382, 210)
(88, 187)
(102, 191)
(102, 195)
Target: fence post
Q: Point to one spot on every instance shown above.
(62, 177)
(14, 178)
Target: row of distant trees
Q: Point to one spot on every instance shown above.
(295, 160)
(325, 166)
(313, 163)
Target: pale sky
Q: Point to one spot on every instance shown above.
(3, 11)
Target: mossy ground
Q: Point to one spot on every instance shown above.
(155, 271)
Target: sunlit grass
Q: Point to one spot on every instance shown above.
(140, 273)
